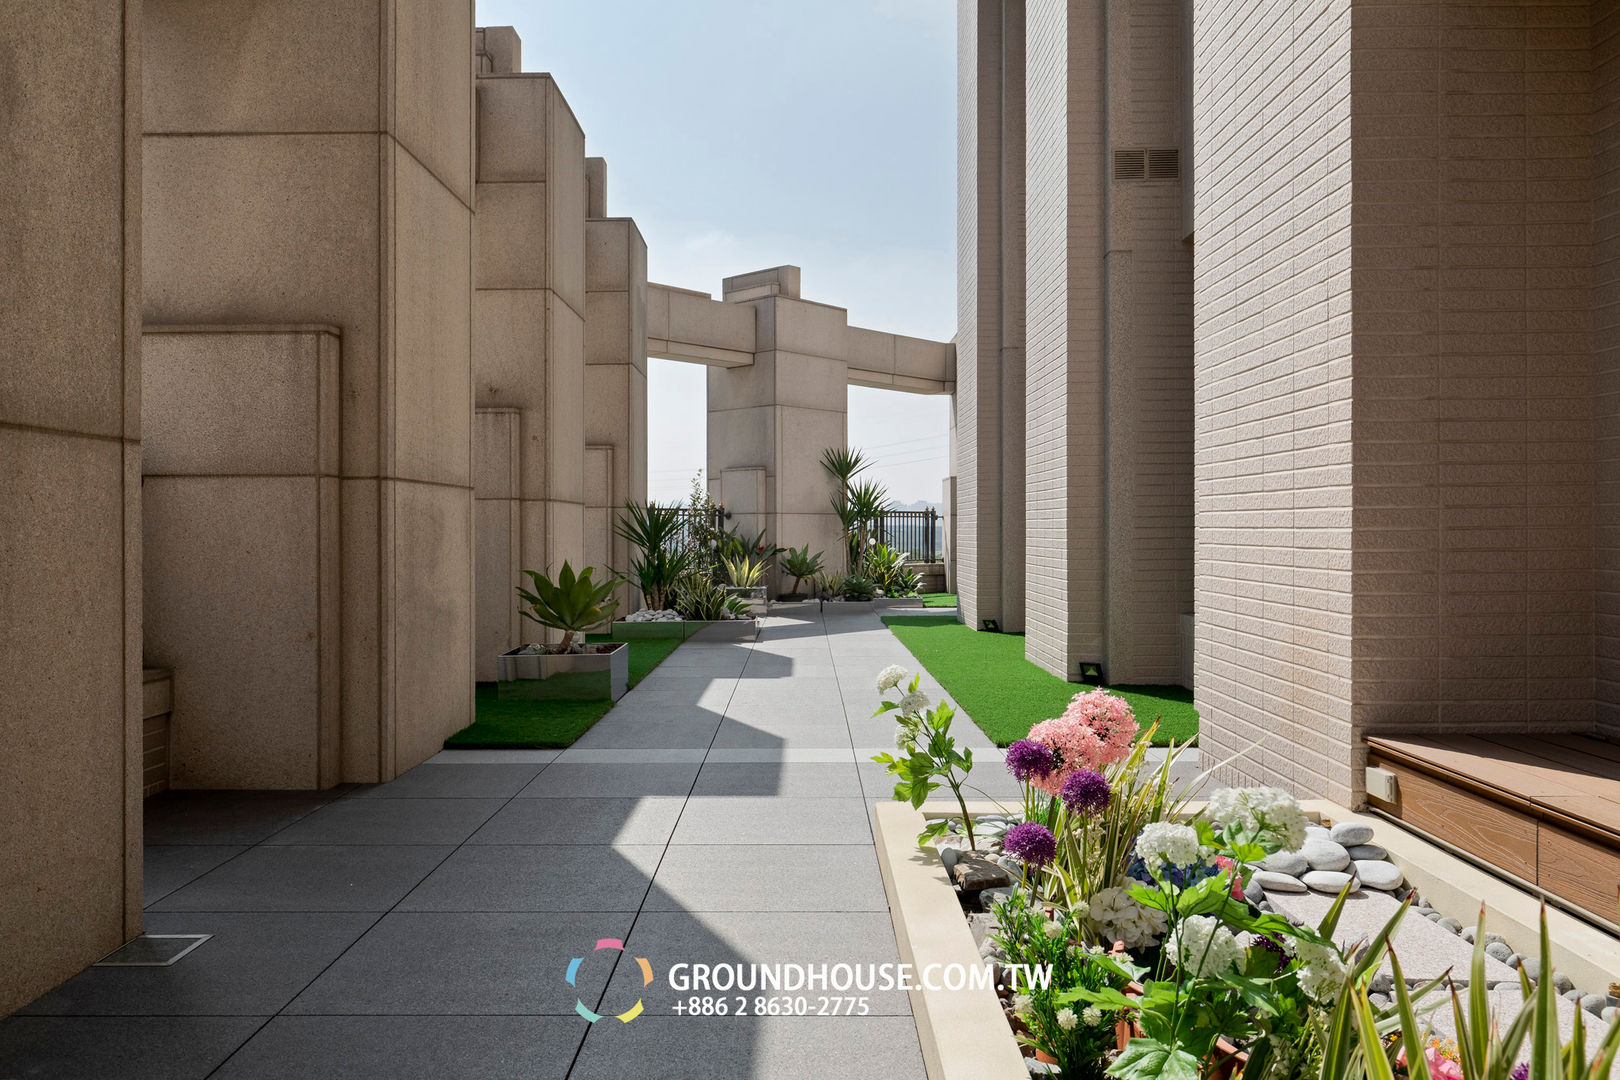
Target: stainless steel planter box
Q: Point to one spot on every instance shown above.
(602, 673)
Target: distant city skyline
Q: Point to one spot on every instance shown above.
(742, 136)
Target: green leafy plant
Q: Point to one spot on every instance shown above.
(700, 599)
(887, 568)
(926, 752)
(742, 570)
(799, 564)
(572, 604)
(1076, 1036)
(857, 503)
(856, 587)
(663, 556)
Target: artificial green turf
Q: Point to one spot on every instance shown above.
(544, 725)
(937, 599)
(1006, 695)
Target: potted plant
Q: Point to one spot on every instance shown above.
(570, 670)
(743, 573)
(800, 565)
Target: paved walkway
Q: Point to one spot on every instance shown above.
(720, 814)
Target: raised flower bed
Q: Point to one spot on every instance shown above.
(1162, 966)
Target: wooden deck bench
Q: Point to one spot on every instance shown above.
(1545, 808)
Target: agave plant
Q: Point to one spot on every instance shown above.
(743, 571)
(572, 603)
(799, 564)
(664, 558)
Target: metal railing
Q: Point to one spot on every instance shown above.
(913, 531)
(695, 525)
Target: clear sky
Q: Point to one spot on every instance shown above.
(747, 135)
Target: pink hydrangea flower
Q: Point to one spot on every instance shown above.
(1095, 731)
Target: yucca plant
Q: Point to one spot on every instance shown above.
(799, 564)
(664, 557)
(572, 603)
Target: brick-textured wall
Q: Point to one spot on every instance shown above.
(1149, 357)
(1272, 288)
(1605, 39)
(1472, 367)
(1394, 382)
(1065, 423)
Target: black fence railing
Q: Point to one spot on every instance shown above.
(915, 532)
(697, 526)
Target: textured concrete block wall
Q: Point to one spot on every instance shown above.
(529, 309)
(1065, 365)
(299, 171)
(1605, 134)
(1148, 271)
(1272, 391)
(70, 600)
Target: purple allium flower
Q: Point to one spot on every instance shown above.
(1520, 1072)
(1029, 760)
(1086, 792)
(1032, 843)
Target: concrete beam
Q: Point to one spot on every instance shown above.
(695, 328)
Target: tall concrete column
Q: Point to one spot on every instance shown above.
(770, 421)
(70, 524)
(529, 315)
(312, 164)
(990, 382)
(615, 376)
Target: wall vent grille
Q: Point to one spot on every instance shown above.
(1155, 163)
(1130, 164)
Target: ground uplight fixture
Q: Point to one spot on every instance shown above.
(990, 626)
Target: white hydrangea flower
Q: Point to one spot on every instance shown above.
(1116, 916)
(1080, 910)
(1164, 844)
(1021, 1003)
(1093, 1016)
(1321, 969)
(914, 703)
(1270, 812)
(902, 738)
(889, 678)
(1067, 1020)
(1053, 929)
(1203, 948)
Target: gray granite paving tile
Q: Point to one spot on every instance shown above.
(392, 1047)
(253, 965)
(565, 877)
(119, 1048)
(470, 964)
(724, 877)
(456, 781)
(693, 732)
(772, 820)
(390, 821)
(769, 1048)
(226, 818)
(780, 778)
(648, 820)
(346, 878)
(767, 733)
(167, 868)
(578, 780)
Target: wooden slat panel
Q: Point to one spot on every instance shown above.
(1598, 814)
(1580, 870)
(1599, 748)
(1577, 761)
(1475, 823)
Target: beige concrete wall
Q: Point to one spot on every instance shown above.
(1272, 336)
(529, 308)
(989, 459)
(313, 163)
(615, 388)
(1067, 431)
(240, 550)
(70, 603)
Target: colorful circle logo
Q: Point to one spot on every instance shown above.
(573, 971)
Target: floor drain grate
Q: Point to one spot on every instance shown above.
(152, 950)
